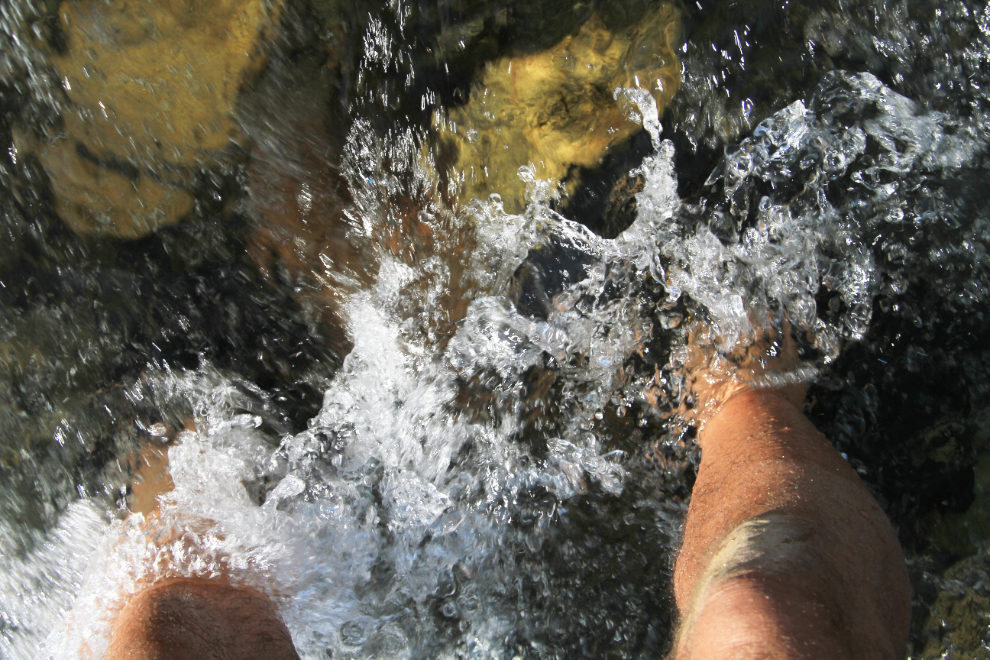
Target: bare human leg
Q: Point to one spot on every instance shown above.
(786, 554)
(192, 618)
(200, 619)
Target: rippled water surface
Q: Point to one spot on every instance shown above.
(404, 290)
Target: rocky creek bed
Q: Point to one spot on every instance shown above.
(210, 209)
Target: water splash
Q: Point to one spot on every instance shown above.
(38, 588)
(414, 516)
(791, 211)
(399, 512)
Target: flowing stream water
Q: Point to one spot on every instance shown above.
(433, 413)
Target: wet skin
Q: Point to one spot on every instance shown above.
(192, 618)
(786, 554)
(200, 619)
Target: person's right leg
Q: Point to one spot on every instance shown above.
(786, 554)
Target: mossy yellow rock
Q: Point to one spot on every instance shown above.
(93, 198)
(153, 86)
(555, 109)
(958, 619)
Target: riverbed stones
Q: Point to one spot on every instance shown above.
(555, 111)
(151, 89)
(958, 623)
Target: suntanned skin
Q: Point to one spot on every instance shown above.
(200, 619)
(826, 578)
(786, 554)
(192, 618)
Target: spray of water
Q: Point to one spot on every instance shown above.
(396, 512)
(393, 526)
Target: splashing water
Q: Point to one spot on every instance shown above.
(396, 514)
(792, 210)
(420, 512)
(393, 512)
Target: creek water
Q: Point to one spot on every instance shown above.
(433, 413)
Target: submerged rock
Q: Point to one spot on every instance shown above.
(152, 89)
(94, 197)
(959, 619)
(555, 110)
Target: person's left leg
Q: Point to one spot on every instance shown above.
(191, 618)
(200, 619)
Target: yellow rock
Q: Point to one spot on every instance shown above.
(959, 617)
(161, 75)
(555, 109)
(153, 86)
(95, 199)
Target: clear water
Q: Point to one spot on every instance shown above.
(494, 470)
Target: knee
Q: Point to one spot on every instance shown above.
(203, 619)
(778, 588)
